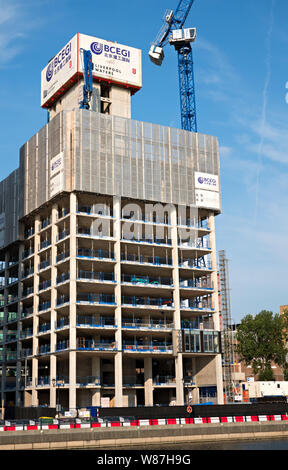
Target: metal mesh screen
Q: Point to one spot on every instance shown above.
(108, 155)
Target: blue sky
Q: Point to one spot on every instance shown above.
(241, 71)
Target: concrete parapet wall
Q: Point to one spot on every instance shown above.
(140, 437)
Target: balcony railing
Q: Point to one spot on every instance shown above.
(199, 244)
(27, 272)
(44, 264)
(62, 256)
(27, 253)
(197, 324)
(44, 285)
(61, 235)
(89, 210)
(62, 322)
(44, 306)
(44, 349)
(153, 325)
(91, 344)
(198, 303)
(151, 347)
(144, 280)
(156, 261)
(28, 291)
(100, 254)
(164, 380)
(90, 321)
(198, 263)
(198, 283)
(62, 278)
(44, 327)
(44, 244)
(45, 223)
(63, 299)
(147, 301)
(62, 213)
(96, 298)
(26, 333)
(84, 381)
(150, 241)
(96, 276)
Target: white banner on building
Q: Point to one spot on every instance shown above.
(59, 71)
(207, 199)
(57, 174)
(206, 181)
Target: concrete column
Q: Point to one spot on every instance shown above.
(218, 362)
(19, 309)
(148, 381)
(177, 315)
(95, 372)
(53, 318)
(72, 308)
(118, 317)
(4, 362)
(35, 311)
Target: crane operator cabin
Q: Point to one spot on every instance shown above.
(107, 245)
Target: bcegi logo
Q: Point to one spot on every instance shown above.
(49, 72)
(209, 181)
(58, 62)
(97, 48)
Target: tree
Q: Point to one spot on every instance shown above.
(262, 340)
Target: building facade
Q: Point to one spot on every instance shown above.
(109, 291)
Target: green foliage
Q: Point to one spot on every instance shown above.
(262, 340)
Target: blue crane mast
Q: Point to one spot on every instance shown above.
(172, 31)
(88, 79)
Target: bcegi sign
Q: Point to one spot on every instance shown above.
(110, 61)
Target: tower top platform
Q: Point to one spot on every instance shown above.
(112, 62)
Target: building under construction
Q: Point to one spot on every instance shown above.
(109, 291)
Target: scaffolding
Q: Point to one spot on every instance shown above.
(227, 327)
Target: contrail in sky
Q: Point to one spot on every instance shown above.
(265, 101)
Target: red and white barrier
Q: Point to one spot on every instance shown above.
(173, 421)
(200, 420)
(66, 426)
(143, 422)
(226, 419)
(49, 426)
(114, 424)
(130, 423)
(263, 418)
(14, 428)
(33, 427)
(213, 419)
(156, 422)
(275, 417)
(238, 419)
(82, 425)
(98, 425)
(186, 420)
(250, 419)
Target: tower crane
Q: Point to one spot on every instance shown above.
(172, 31)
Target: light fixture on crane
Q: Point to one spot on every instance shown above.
(172, 31)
